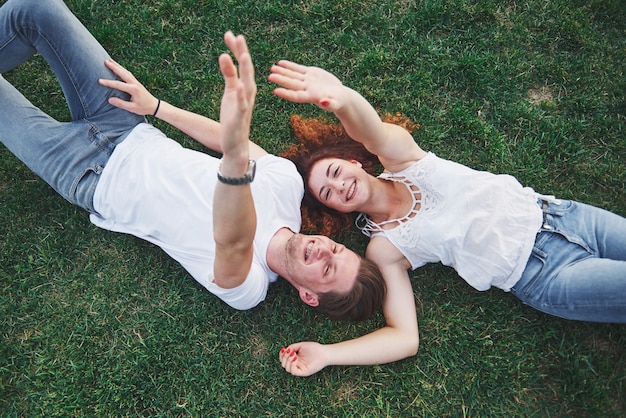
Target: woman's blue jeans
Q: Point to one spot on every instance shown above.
(577, 269)
(67, 155)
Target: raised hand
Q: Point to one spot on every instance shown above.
(239, 95)
(141, 102)
(302, 84)
(234, 216)
(303, 359)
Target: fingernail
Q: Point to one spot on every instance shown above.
(282, 350)
(324, 103)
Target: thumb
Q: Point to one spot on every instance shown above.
(327, 103)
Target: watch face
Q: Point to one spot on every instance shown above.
(251, 169)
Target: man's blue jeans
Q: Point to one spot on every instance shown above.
(67, 155)
(578, 266)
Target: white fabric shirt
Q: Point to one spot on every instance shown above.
(155, 189)
(482, 224)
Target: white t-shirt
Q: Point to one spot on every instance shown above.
(155, 189)
(482, 224)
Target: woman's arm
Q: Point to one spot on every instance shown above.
(397, 340)
(300, 84)
(204, 130)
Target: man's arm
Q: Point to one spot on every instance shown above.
(204, 130)
(234, 216)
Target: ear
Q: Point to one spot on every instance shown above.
(309, 298)
(357, 163)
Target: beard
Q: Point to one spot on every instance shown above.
(291, 250)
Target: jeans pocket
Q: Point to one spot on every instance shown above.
(526, 287)
(84, 187)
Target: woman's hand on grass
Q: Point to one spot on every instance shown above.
(303, 358)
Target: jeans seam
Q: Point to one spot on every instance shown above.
(67, 70)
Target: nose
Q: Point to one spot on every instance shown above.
(338, 185)
(323, 252)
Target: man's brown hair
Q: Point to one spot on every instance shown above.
(362, 301)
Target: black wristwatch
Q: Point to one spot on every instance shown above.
(239, 181)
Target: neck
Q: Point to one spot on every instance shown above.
(277, 252)
(385, 200)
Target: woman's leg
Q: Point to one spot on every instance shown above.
(578, 267)
(69, 156)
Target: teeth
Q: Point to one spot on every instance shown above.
(350, 191)
(308, 251)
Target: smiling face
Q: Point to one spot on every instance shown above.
(317, 264)
(339, 184)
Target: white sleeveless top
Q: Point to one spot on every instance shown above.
(481, 224)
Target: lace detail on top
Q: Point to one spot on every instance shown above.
(425, 200)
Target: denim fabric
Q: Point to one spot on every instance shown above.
(577, 269)
(67, 155)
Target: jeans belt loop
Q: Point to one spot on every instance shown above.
(544, 207)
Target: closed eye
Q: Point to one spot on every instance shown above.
(324, 193)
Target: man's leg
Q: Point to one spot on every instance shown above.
(69, 156)
(76, 57)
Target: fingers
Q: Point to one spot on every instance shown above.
(291, 66)
(122, 104)
(120, 71)
(291, 95)
(239, 48)
(286, 81)
(236, 78)
(229, 71)
(115, 84)
(287, 356)
(288, 75)
(289, 361)
(287, 72)
(127, 85)
(291, 83)
(295, 82)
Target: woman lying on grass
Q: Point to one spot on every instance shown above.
(561, 257)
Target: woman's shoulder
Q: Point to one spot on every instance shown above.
(381, 251)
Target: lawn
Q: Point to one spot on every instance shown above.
(94, 323)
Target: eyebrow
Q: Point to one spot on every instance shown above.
(328, 169)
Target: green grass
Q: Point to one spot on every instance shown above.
(94, 323)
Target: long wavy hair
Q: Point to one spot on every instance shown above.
(317, 140)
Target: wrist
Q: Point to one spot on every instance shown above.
(157, 107)
(246, 178)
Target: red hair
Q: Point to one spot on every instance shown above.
(317, 140)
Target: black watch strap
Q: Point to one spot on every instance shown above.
(239, 181)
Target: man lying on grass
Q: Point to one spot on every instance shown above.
(231, 223)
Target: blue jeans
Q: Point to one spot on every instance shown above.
(68, 155)
(577, 269)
